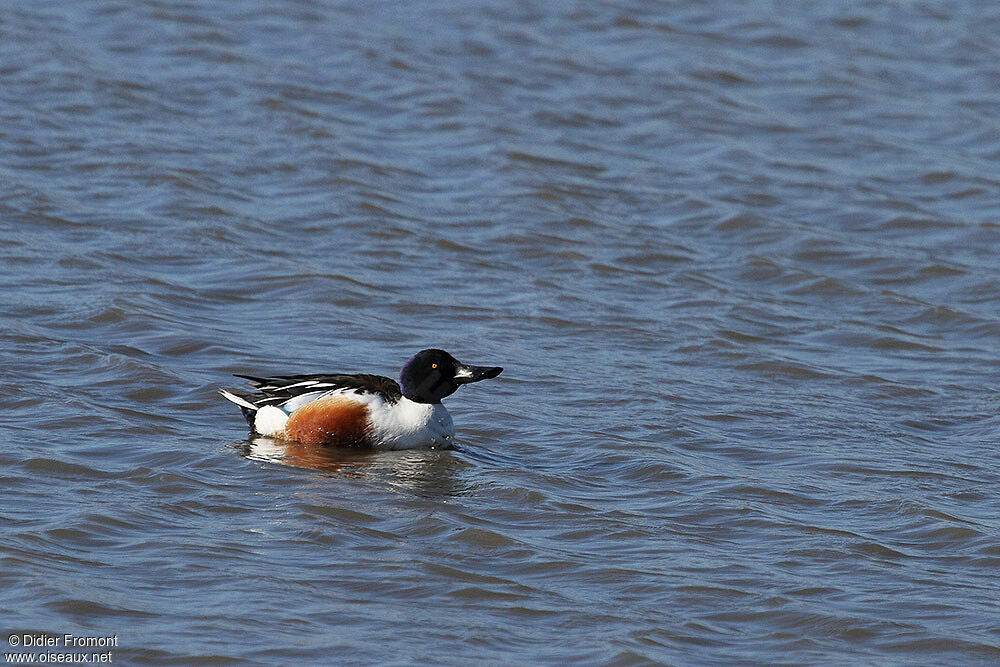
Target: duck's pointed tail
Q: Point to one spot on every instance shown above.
(248, 408)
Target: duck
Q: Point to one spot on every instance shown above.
(361, 410)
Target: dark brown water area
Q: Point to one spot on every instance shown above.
(739, 260)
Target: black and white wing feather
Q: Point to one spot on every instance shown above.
(277, 389)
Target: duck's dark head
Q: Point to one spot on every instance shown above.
(430, 375)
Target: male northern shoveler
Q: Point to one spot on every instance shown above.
(362, 410)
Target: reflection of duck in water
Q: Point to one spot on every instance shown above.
(362, 410)
(347, 462)
(430, 473)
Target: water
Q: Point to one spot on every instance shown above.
(739, 261)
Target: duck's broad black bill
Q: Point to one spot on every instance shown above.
(467, 374)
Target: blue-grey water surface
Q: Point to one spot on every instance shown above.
(740, 261)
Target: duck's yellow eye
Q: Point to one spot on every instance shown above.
(434, 365)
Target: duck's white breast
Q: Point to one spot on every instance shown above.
(407, 424)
